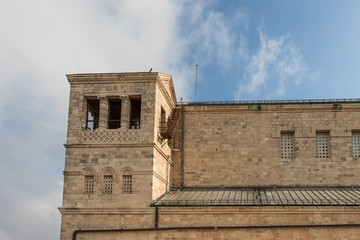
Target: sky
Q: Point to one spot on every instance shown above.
(245, 50)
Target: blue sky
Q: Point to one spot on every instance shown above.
(246, 50)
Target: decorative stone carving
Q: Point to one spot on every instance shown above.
(104, 136)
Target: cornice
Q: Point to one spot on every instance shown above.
(166, 157)
(111, 77)
(113, 145)
(168, 78)
(252, 109)
(166, 94)
(92, 211)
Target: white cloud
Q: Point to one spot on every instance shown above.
(277, 60)
(212, 37)
(41, 42)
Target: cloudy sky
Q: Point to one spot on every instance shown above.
(256, 49)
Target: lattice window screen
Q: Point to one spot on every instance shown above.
(287, 145)
(89, 181)
(322, 144)
(108, 184)
(127, 181)
(355, 144)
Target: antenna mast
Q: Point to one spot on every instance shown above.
(196, 82)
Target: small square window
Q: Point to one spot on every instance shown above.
(355, 139)
(89, 184)
(108, 180)
(287, 145)
(127, 184)
(322, 145)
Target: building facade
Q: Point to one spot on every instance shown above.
(139, 165)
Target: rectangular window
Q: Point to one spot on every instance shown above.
(108, 180)
(163, 121)
(135, 109)
(322, 144)
(127, 184)
(287, 145)
(92, 115)
(114, 113)
(89, 181)
(355, 139)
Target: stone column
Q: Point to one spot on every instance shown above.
(103, 115)
(125, 112)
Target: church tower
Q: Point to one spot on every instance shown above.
(117, 159)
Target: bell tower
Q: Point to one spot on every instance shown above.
(117, 159)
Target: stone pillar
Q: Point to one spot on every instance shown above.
(125, 112)
(103, 116)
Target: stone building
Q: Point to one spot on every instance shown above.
(140, 165)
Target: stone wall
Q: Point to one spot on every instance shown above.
(115, 152)
(240, 145)
(236, 219)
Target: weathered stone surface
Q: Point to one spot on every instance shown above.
(224, 145)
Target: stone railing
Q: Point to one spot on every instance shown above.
(104, 136)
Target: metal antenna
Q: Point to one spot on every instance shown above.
(196, 81)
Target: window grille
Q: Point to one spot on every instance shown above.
(108, 184)
(89, 181)
(287, 145)
(355, 139)
(322, 144)
(127, 184)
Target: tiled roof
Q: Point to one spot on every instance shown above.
(260, 196)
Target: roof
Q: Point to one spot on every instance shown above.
(260, 196)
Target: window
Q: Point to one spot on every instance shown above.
(89, 184)
(127, 184)
(355, 139)
(108, 180)
(287, 145)
(114, 113)
(135, 109)
(92, 116)
(163, 120)
(322, 144)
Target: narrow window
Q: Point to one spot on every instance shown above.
(163, 121)
(108, 180)
(127, 184)
(355, 139)
(92, 116)
(287, 145)
(89, 184)
(135, 109)
(114, 113)
(322, 144)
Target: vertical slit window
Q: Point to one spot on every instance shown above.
(322, 144)
(135, 110)
(108, 180)
(287, 145)
(127, 184)
(114, 113)
(92, 116)
(355, 139)
(89, 184)
(163, 121)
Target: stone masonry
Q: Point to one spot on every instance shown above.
(118, 168)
